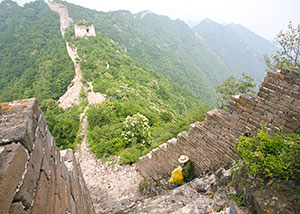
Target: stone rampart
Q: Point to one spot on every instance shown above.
(35, 177)
(211, 143)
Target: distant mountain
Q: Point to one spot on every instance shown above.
(172, 48)
(192, 23)
(239, 48)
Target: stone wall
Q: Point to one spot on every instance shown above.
(81, 31)
(211, 143)
(35, 177)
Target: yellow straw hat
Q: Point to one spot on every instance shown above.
(183, 159)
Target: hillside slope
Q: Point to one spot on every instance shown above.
(170, 48)
(33, 57)
(130, 90)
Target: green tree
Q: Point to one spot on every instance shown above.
(232, 86)
(136, 130)
(288, 54)
(271, 155)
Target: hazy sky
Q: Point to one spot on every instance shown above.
(264, 17)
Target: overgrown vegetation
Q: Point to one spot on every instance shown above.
(289, 52)
(33, 58)
(238, 198)
(232, 86)
(84, 22)
(142, 110)
(34, 63)
(63, 124)
(271, 154)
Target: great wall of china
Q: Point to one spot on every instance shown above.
(36, 177)
(211, 143)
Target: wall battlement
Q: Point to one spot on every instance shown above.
(35, 177)
(211, 143)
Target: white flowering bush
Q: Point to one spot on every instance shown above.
(136, 130)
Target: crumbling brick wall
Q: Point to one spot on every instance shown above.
(35, 177)
(211, 143)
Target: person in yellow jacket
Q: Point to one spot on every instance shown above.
(183, 173)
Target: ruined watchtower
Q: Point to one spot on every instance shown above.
(84, 30)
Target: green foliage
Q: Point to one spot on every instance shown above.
(244, 181)
(232, 86)
(63, 124)
(34, 63)
(186, 56)
(238, 198)
(33, 57)
(289, 52)
(131, 90)
(298, 192)
(130, 155)
(271, 155)
(84, 22)
(136, 130)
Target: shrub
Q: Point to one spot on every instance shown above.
(136, 130)
(130, 155)
(271, 155)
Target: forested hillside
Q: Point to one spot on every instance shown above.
(157, 108)
(171, 48)
(35, 63)
(154, 71)
(33, 57)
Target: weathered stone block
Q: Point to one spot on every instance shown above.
(46, 185)
(52, 188)
(41, 196)
(57, 205)
(27, 189)
(30, 180)
(14, 160)
(18, 122)
(211, 142)
(17, 208)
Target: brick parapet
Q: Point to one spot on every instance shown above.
(211, 143)
(34, 177)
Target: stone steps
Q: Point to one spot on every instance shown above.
(196, 196)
